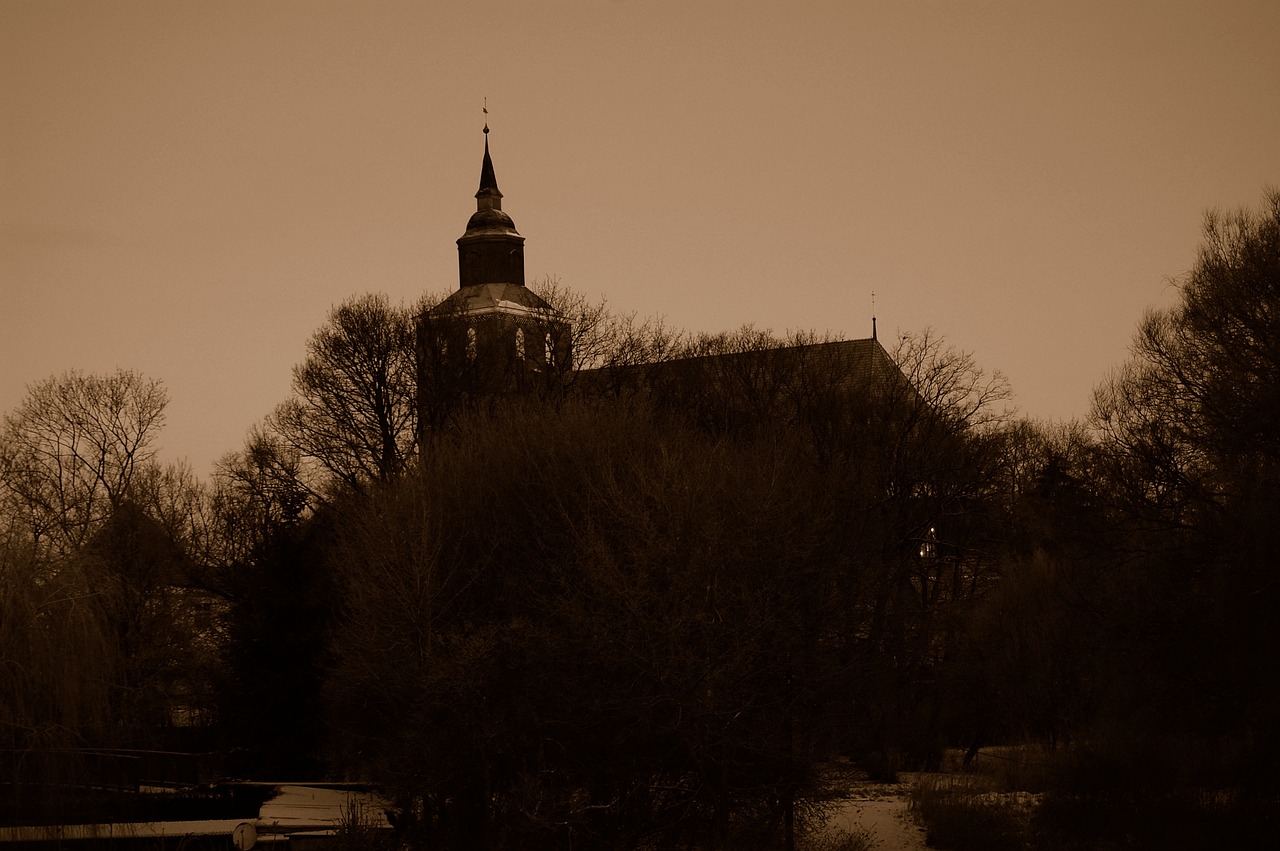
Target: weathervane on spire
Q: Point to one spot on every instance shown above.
(485, 110)
(873, 314)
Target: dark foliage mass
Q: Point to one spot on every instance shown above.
(1190, 459)
(642, 600)
(645, 613)
(1132, 637)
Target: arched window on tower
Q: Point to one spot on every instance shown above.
(520, 344)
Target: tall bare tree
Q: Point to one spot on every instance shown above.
(70, 451)
(1189, 431)
(1201, 393)
(600, 338)
(354, 408)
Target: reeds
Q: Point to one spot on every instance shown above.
(1096, 795)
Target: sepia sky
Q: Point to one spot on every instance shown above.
(187, 188)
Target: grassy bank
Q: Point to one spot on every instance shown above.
(1070, 799)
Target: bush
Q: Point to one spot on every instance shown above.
(1156, 819)
(839, 840)
(961, 812)
(1105, 794)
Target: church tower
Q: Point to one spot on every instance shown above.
(492, 335)
(491, 251)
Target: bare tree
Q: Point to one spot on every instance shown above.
(260, 558)
(1199, 397)
(597, 338)
(70, 452)
(263, 486)
(1191, 472)
(576, 323)
(949, 383)
(354, 409)
(94, 536)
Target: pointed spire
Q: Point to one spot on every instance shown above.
(491, 251)
(487, 178)
(487, 196)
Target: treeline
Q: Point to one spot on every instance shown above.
(641, 603)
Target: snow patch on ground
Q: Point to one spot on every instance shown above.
(881, 810)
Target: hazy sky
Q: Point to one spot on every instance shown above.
(189, 187)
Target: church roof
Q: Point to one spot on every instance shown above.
(863, 363)
(847, 365)
(489, 217)
(853, 363)
(490, 221)
(488, 180)
(485, 299)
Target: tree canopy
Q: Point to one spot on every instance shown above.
(643, 603)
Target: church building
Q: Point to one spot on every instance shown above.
(494, 335)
